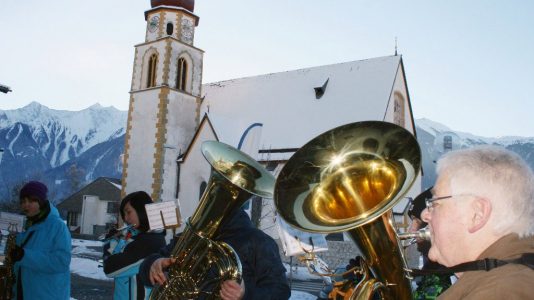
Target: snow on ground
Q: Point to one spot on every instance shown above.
(89, 268)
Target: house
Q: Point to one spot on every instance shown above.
(93, 208)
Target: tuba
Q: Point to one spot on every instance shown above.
(201, 263)
(349, 179)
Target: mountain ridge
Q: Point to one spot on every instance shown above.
(68, 149)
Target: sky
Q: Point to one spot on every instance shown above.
(468, 64)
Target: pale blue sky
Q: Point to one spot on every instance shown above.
(469, 64)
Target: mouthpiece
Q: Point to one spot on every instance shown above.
(423, 234)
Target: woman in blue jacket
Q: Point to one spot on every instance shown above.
(124, 254)
(43, 250)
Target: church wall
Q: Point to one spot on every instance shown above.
(194, 170)
(141, 140)
(181, 127)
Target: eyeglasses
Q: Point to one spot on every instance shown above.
(430, 202)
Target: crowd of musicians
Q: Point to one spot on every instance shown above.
(479, 215)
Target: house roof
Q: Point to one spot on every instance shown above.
(104, 187)
(289, 104)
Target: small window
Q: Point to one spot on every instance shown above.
(113, 207)
(151, 75)
(398, 110)
(72, 218)
(447, 143)
(170, 28)
(181, 78)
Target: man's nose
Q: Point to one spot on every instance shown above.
(425, 215)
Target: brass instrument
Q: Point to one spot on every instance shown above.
(235, 177)
(349, 179)
(7, 274)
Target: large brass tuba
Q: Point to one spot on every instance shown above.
(201, 263)
(348, 179)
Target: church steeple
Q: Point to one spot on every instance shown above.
(172, 18)
(164, 99)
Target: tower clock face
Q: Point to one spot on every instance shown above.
(153, 23)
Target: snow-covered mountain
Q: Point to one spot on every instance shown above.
(44, 143)
(435, 139)
(68, 149)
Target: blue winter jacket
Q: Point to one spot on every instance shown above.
(123, 264)
(45, 266)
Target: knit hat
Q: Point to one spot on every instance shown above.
(35, 189)
(419, 203)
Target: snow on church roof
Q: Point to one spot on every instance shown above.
(287, 106)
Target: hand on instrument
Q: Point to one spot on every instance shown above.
(157, 276)
(231, 290)
(111, 232)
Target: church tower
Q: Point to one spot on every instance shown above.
(164, 99)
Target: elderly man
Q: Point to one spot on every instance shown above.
(481, 220)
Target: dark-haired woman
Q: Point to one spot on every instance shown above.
(124, 254)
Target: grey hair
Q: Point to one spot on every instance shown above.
(499, 175)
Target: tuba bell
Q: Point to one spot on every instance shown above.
(349, 179)
(202, 264)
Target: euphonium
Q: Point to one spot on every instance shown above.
(7, 274)
(349, 179)
(234, 178)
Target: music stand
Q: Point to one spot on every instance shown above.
(163, 215)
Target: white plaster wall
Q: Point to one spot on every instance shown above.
(400, 87)
(194, 170)
(89, 211)
(141, 141)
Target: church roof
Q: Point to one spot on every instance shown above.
(296, 106)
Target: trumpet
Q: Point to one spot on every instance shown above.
(121, 232)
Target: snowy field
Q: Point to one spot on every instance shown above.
(87, 267)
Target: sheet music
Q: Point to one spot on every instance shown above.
(169, 211)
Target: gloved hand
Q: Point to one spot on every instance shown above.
(111, 232)
(16, 253)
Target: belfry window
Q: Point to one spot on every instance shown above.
(170, 28)
(181, 77)
(151, 75)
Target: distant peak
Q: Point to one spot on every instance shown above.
(95, 106)
(34, 104)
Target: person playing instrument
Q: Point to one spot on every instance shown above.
(432, 285)
(124, 252)
(264, 276)
(43, 250)
(481, 221)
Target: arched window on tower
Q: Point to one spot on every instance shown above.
(181, 77)
(398, 110)
(151, 75)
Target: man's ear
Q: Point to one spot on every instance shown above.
(481, 212)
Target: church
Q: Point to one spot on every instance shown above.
(269, 117)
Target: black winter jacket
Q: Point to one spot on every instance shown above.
(263, 271)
